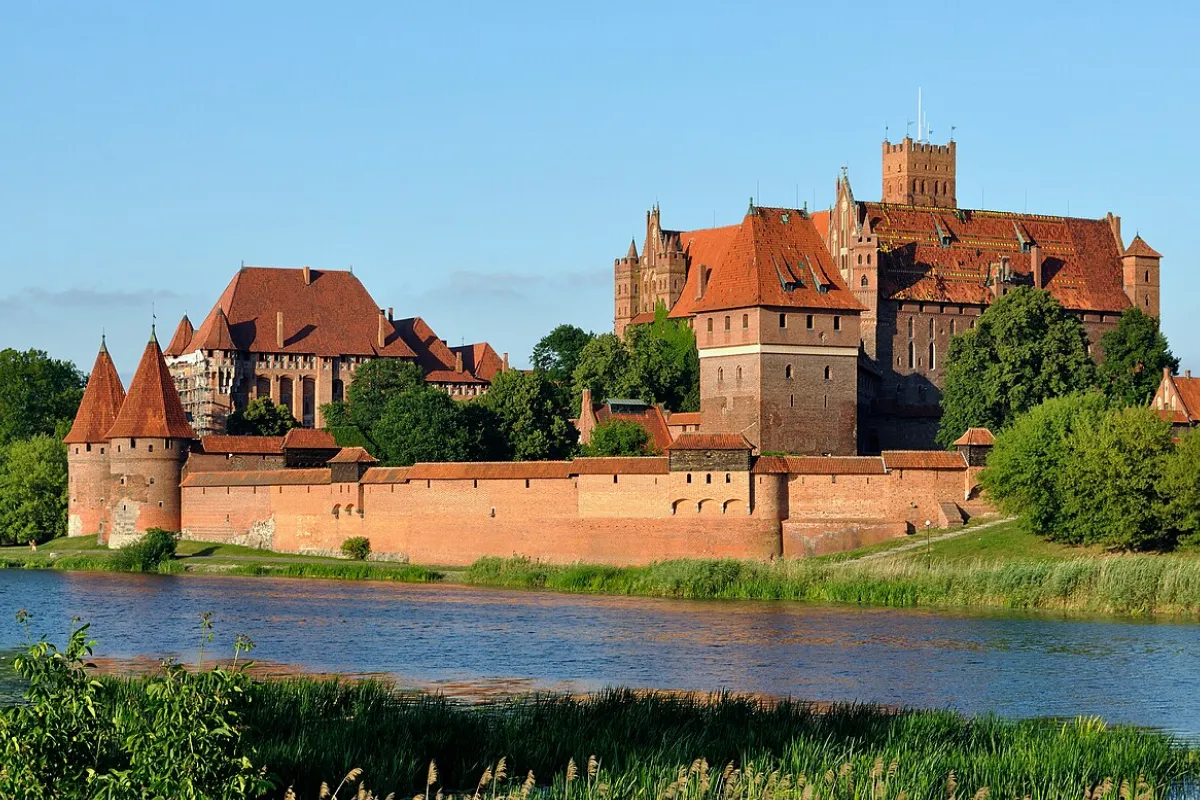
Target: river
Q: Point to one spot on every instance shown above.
(469, 641)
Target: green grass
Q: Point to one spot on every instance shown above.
(344, 570)
(308, 731)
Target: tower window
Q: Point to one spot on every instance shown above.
(837, 323)
(708, 478)
(912, 354)
(932, 355)
(1147, 276)
(808, 322)
(868, 259)
(726, 322)
(745, 321)
(710, 324)
(860, 259)
(728, 478)
(864, 282)
(783, 320)
(787, 372)
(720, 374)
(828, 373)
(791, 401)
(739, 374)
(689, 477)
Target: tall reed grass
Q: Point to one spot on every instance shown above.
(653, 745)
(1132, 585)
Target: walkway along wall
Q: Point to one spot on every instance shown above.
(610, 511)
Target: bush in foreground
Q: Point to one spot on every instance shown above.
(147, 553)
(357, 548)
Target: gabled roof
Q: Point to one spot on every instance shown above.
(1138, 247)
(101, 402)
(432, 354)
(683, 418)
(705, 249)
(1182, 402)
(331, 314)
(975, 437)
(650, 418)
(242, 445)
(353, 455)
(214, 334)
(778, 260)
(710, 441)
(948, 255)
(152, 408)
(183, 336)
(309, 439)
(480, 360)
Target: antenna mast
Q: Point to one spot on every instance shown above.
(920, 118)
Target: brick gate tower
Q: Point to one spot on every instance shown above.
(87, 449)
(147, 447)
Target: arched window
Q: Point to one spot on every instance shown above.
(868, 259)
(726, 322)
(912, 354)
(720, 374)
(860, 259)
(739, 374)
(710, 324)
(828, 373)
(910, 327)
(932, 355)
(931, 329)
(689, 477)
(1147, 276)
(787, 372)
(745, 321)
(864, 281)
(708, 478)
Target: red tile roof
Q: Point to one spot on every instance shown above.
(214, 333)
(331, 315)
(835, 465)
(773, 247)
(710, 441)
(353, 455)
(683, 418)
(651, 419)
(489, 470)
(922, 459)
(152, 407)
(183, 335)
(1138, 247)
(258, 477)
(651, 465)
(705, 249)
(770, 465)
(820, 221)
(385, 475)
(1081, 261)
(976, 437)
(101, 402)
(1188, 390)
(480, 360)
(434, 356)
(309, 439)
(242, 445)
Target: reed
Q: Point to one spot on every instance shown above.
(1127, 584)
(355, 571)
(657, 745)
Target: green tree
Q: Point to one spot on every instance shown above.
(1024, 466)
(1024, 350)
(38, 394)
(261, 417)
(1111, 480)
(33, 490)
(1180, 488)
(375, 384)
(1135, 354)
(618, 437)
(557, 354)
(421, 424)
(532, 415)
(603, 367)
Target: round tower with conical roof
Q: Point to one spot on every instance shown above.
(88, 463)
(147, 447)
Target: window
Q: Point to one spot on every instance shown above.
(726, 322)
(952, 327)
(787, 372)
(783, 320)
(150, 448)
(745, 321)
(720, 374)
(710, 324)
(860, 259)
(152, 481)
(910, 327)
(868, 259)
(808, 322)
(133, 444)
(527, 483)
(708, 478)
(689, 477)
(931, 328)
(912, 354)
(864, 281)
(739, 375)
(89, 449)
(837, 323)
(827, 401)
(828, 373)
(932, 355)
(791, 401)
(614, 478)
(728, 478)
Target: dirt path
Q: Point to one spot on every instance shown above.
(922, 541)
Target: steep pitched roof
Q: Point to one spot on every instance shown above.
(976, 437)
(353, 455)
(152, 407)
(948, 255)
(214, 334)
(1138, 247)
(777, 259)
(183, 336)
(705, 249)
(480, 360)
(432, 354)
(101, 402)
(330, 314)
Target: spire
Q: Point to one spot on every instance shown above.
(1138, 247)
(152, 408)
(632, 254)
(214, 334)
(101, 402)
(182, 338)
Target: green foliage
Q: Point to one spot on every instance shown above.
(1180, 488)
(531, 415)
(178, 736)
(656, 363)
(421, 424)
(1023, 467)
(557, 354)
(350, 436)
(153, 548)
(1135, 354)
(618, 437)
(1109, 482)
(1024, 349)
(38, 394)
(375, 384)
(33, 490)
(357, 548)
(261, 417)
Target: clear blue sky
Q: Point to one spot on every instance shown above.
(481, 164)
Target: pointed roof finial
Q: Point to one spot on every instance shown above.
(632, 249)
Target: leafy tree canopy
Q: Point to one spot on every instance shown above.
(557, 354)
(1135, 354)
(375, 384)
(1180, 488)
(532, 415)
(422, 424)
(38, 394)
(33, 490)
(618, 437)
(1025, 349)
(260, 417)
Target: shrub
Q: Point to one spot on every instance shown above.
(357, 547)
(619, 437)
(144, 555)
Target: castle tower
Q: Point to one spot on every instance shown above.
(625, 283)
(147, 446)
(919, 173)
(88, 469)
(1141, 263)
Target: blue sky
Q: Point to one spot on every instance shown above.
(481, 164)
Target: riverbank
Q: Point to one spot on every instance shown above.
(626, 744)
(996, 566)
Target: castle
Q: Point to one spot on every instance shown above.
(826, 333)
(296, 336)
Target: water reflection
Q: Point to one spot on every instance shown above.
(469, 641)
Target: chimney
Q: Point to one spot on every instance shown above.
(279, 329)
(389, 313)
(505, 362)
(1035, 257)
(701, 283)
(1114, 224)
(458, 361)
(585, 403)
(307, 276)
(1187, 373)
(382, 330)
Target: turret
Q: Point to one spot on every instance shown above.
(147, 446)
(1141, 264)
(625, 288)
(919, 173)
(88, 467)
